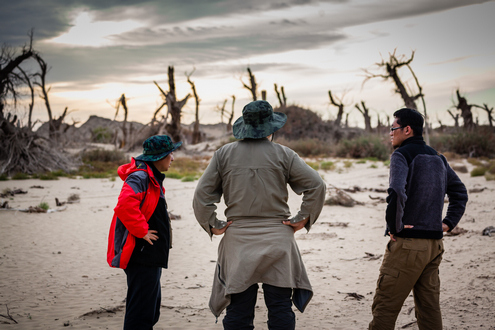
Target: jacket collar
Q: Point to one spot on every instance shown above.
(413, 140)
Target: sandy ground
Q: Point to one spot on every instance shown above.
(54, 275)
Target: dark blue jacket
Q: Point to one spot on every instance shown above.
(419, 180)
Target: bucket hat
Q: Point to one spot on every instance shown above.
(157, 147)
(258, 121)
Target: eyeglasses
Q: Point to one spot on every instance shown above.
(394, 128)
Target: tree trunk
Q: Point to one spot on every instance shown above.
(253, 87)
(174, 108)
(340, 106)
(466, 113)
(367, 120)
(196, 135)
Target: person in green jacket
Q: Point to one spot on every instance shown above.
(258, 245)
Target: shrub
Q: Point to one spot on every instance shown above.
(347, 163)
(44, 206)
(3, 177)
(363, 147)
(491, 166)
(187, 169)
(478, 171)
(101, 135)
(48, 176)
(478, 143)
(327, 166)
(21, 176)
(315, 166)
(102, 155)
(475, 161)
(308, 147)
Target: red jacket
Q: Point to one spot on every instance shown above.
(131, 215)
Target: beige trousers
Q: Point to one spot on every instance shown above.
(409, 264)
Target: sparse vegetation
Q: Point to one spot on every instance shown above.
(327, 166)
(101, 135)
(364, 147)
(44, 206)
(479, 171)
(477, 143)
(21, 176)
(101, 163)
(348, 163)
(314, 165)
(308, 147)
(187, 169)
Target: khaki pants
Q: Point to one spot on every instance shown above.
(409, 264)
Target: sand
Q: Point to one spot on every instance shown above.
(54, 275)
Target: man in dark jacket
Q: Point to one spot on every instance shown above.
(140, 233)
(419, 180)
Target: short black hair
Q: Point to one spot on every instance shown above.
(410, 117)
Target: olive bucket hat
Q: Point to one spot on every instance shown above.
(157, 147)
(258, 121)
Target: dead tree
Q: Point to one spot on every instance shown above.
(456, 118)
(488, 110)
(391, 68)
(222, 110)
(11, 78)
(340, 106)
(263, 95)
(44, 91)
(122, 101)
(366, 114)
(27, 80)
(281, 96)
(231, 117)
(196, 135)
(21, 149)
(174, 107)
(466, 113)
(54, 124)
(253, 88)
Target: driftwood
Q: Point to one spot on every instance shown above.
(337, 196)
(368, 255)
(352, 295)
(36, 209)
(488, 231)
(12, 192)
(456, 231)
(336, 224)
(102, 310)
(8, 316)
(174, 216)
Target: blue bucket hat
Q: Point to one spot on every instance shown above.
(258, 121)
(157, 147)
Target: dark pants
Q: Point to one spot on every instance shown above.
(142, 307)
(240, 312)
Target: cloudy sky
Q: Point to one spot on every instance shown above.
(98, 50)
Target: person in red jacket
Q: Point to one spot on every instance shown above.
(140, 233)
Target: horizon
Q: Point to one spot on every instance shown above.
(99, 51)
